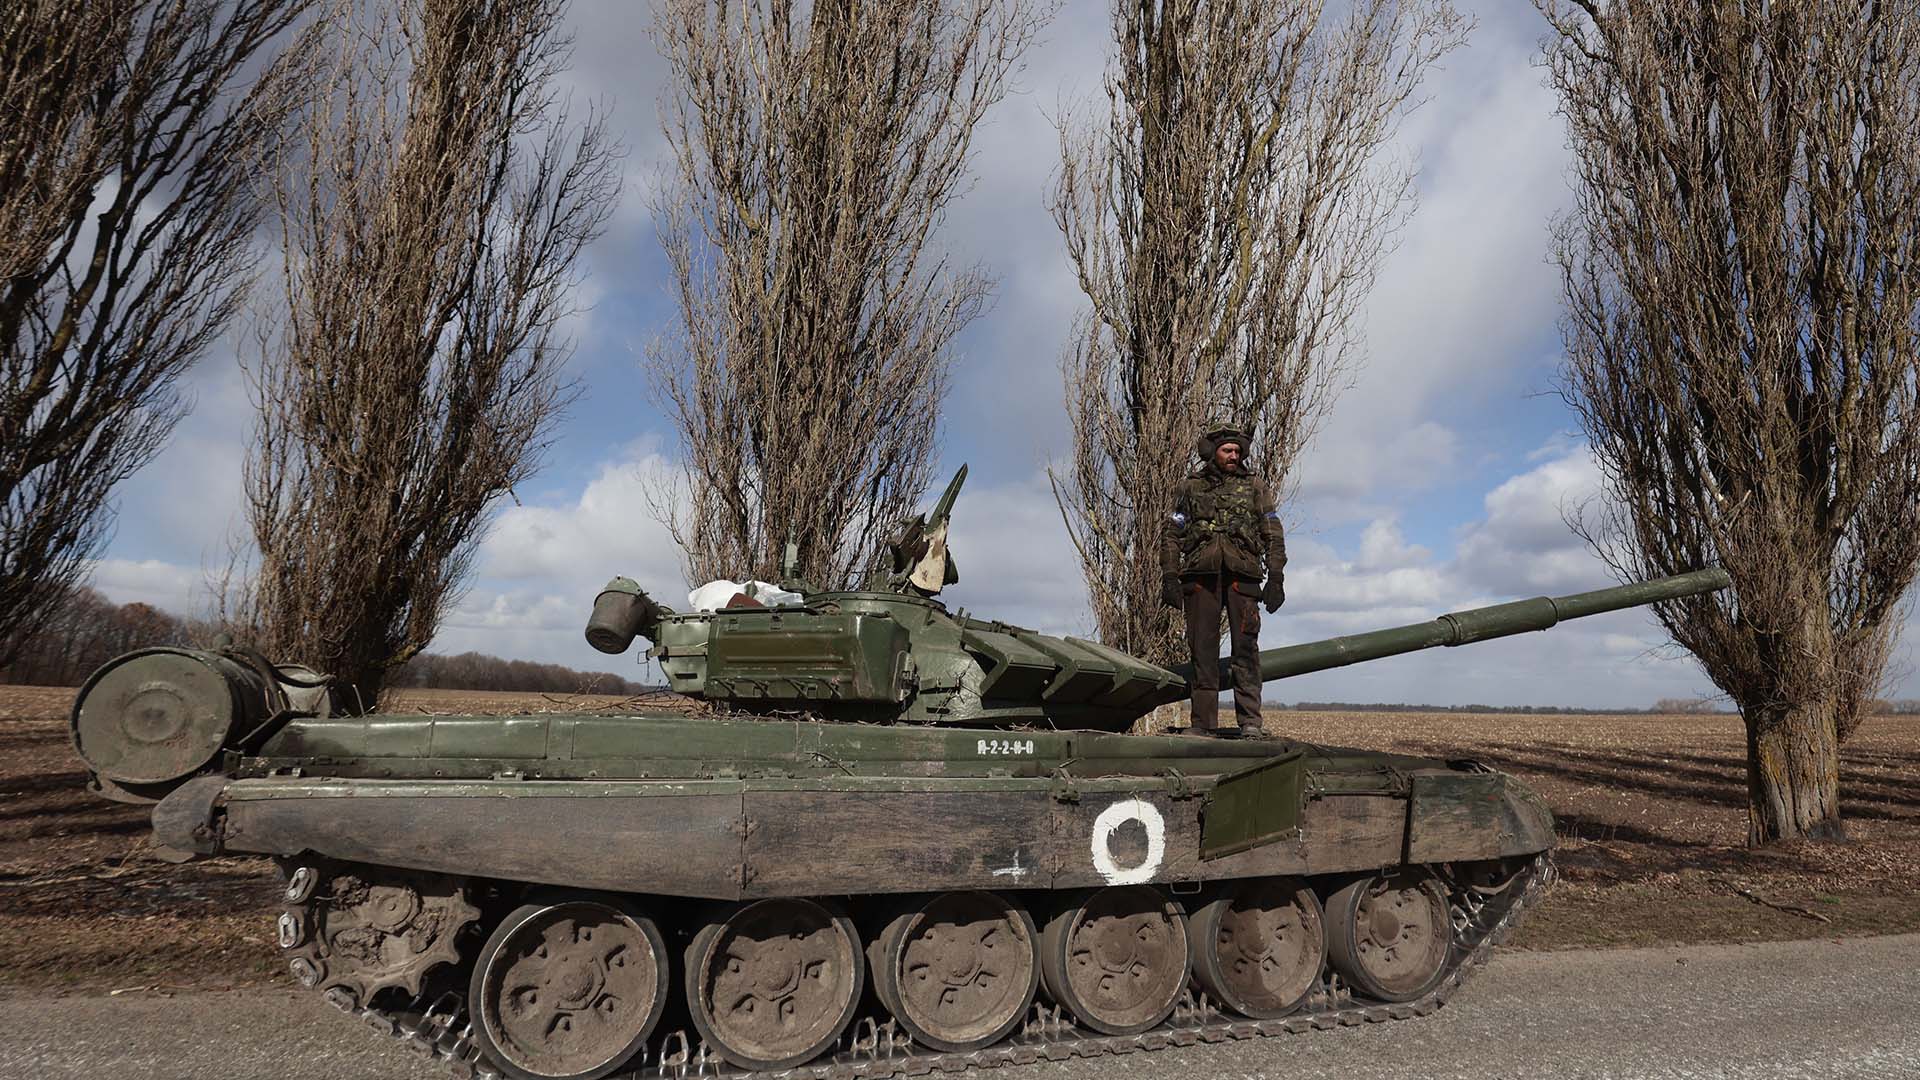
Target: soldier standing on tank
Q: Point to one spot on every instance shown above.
(1222, 538)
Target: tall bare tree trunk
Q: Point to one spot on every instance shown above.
(129, 142)
(431, 222)
(1742, 273)
(1226, 217)
(818, 147)
(1793, 772)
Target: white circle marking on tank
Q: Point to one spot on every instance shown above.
(1109, 822)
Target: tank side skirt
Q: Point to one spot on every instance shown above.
(687, 845)
(734, 839)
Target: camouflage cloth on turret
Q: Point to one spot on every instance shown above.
(1223, 522)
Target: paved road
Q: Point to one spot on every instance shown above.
(1793, 1011)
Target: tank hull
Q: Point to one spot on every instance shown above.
(1002, 893)
(721, 839)
(809, 808)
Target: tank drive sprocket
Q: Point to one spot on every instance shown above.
(353, 931)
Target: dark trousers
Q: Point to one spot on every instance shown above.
(1206, 595)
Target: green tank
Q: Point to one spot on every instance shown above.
(894, 839)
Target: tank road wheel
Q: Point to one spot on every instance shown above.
(774, 982)
(352, 932)
(1116, 958)
(1389, 934)
(957, 971)
(568, 990)
(1258, 946)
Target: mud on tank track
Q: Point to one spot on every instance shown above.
(437, 1026)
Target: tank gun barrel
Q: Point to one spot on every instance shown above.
(1479, 624)
(943, 509)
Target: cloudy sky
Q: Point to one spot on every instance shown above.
(1438, 482)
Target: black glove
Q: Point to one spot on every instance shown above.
(1274, 594)
(1170, 591)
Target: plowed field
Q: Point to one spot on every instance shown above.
(1651, 815)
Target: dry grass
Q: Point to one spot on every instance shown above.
(1651, 812)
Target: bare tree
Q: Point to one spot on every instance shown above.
(1742, 277)
(432, 218)
(1226, 217)
(130, 138)
(817, 148)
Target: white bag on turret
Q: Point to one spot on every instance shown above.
(714, 595)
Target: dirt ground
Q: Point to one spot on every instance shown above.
(1651, 811)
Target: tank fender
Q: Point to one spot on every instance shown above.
(678, 838)
(1476, 814)
(190, 821)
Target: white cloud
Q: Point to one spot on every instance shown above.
(1017, 563)
(1389, 584)
(164, 585)
(1346, 477)
(1461, 304)
(186, 504)
(541, 565)
(1382, 545)
(1524, 543)
(609, 528)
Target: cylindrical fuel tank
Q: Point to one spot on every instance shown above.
(619, 612)
(158, 715)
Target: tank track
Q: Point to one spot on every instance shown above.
(874, 1048)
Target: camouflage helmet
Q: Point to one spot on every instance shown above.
(1219, 430)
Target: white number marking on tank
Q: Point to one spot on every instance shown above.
(1109, 822)
(1014, 871)
(991, 747)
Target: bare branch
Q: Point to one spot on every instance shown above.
(130, 139)
(431, 219)
(817, 147)
(1743, 298)
(1226, 218)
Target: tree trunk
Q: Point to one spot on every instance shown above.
(1793, 773)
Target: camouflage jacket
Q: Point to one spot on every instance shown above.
(1223, 522)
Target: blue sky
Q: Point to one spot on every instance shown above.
(1437, 483)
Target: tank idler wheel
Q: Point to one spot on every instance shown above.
(1116, 958)
(773, 983)
(569, 989)
(959, 970)
(1389, 934)
(1258, 946)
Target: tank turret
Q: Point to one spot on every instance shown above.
(898, 654)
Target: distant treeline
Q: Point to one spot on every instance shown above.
(88, 630)
(1524, 710)
(478, 671)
